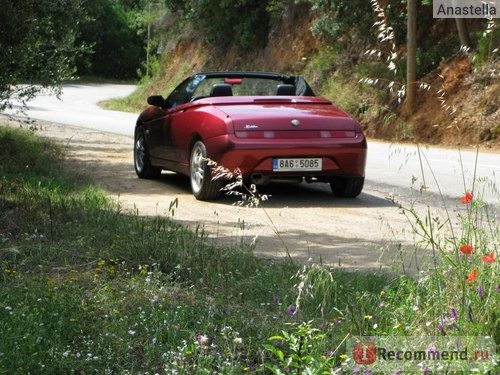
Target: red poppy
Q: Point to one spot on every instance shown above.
(466, 198)
(489, 258)
(472, 276)
(466, 249)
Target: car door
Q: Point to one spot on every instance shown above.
(159, 139)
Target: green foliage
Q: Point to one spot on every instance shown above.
(113, 29)
(339, 21)
(295, 351)
(487, 45)
(38, 44)
(244, 23)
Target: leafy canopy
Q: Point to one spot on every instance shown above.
(37, 44)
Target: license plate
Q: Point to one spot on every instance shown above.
(297, 164)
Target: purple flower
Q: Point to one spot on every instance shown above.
(426, 371)
(291, 310)
(454, 314)
(276, 298)
(323, 326)
(480, 291)
(441, 329)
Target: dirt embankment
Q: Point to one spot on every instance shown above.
(459, 107)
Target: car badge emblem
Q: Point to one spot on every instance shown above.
(251, 126)
(295, 122)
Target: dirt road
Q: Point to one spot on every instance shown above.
(362, 233)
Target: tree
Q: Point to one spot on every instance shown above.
(37, 44)
(112, 28)
(463, 32)
(411, 56)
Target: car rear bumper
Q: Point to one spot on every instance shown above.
(340, 156)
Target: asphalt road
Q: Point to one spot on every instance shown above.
(365, 233)
(391, 168)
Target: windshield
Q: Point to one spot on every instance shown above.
(247, 86)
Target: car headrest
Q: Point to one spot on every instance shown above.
(286, 89)
(221, 89)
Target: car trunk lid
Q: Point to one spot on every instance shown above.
(289, 118)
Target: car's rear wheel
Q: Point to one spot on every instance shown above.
(202, 184)
(142, 162)
(347, 187)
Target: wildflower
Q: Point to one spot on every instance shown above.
(441, 329)
(480, 292)
(276, 298)
(489, 258)
(454, 314)
(466, 198)
(466, 249)
(291, 310)
(202, 339)
(472, 276)
(131, 332)
(237, 341)
(368, 317)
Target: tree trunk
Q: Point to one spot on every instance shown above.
(463, 32)
(411, 57)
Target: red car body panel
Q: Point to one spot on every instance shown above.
(248, 132)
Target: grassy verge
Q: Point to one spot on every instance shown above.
(87, 288)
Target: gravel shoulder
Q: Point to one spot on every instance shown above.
(366, 233)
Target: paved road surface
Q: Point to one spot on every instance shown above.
(364, 233)
(390, 167)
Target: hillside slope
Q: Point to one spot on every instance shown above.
(461, 107)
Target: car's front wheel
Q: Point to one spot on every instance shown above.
(347, 187)
(202, 184)
(142, 162)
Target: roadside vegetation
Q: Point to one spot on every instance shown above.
(351, 52)
(88, 287)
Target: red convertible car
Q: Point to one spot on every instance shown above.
(271, 126)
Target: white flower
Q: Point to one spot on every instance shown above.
(131, 332)
(238, 341)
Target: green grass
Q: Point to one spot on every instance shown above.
(87, 287)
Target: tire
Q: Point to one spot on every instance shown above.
(202, 185)
(347, 187)
(142, 162)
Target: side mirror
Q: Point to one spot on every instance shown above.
(156, 100)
